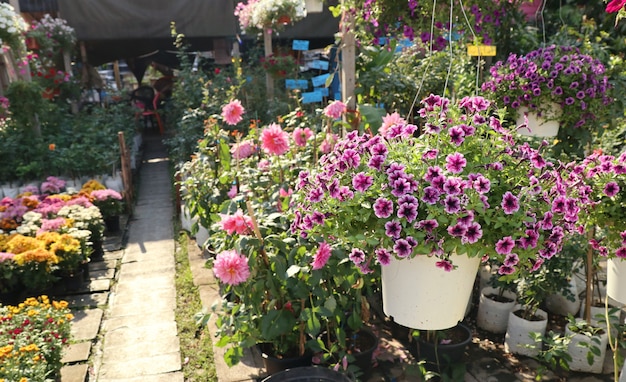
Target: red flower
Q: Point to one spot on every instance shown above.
(615, 5)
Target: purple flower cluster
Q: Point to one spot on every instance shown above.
(558, 74)
(463, 186)
(601, 183)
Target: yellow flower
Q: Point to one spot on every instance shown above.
(20, 243)
(5, 350)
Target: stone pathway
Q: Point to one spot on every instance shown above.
(125, 319)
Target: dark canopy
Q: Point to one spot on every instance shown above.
(140, 30)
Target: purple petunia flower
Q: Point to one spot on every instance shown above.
(432, 172)
(430, 154)
(361, 182)
(402, 248)
(383, 256)
(407, 211)
(611, 189)
(505, 245)
(316, 195)
(510, 203)
(457, 230)
(455, 163)
(431, 195)
(452, 186)
(452, 204)
(472, 234)
(376, 162)
(383, 208)
(457, 135)
(393, 229)
(427, 225)
(446, 265)
(505, 270)
(357, 256)
(511, 260)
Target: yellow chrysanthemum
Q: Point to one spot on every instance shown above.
(20, 243)
(39, 255)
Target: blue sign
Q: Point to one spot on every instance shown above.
(320, 80)
(310, 97)
(324, 91)
(296, 84)
(300, 45)
(318, 64)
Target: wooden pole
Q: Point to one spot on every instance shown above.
(269, 81)
(348, 67)
(126, 171)
(116, 73)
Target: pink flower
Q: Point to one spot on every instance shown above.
(615, 6)
(232, 111)
(321, 257)
(328, 143)
(102, 195)
(300, 135)
(6, 256)
(274, 140)
(263, 165)
(390, 120)
(239, 223)
(335, 109)
(243, 149)
(233, 192)
(231, 267)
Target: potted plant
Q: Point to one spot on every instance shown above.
(258, 15)
(111, 206)
(12, 27)
(555, 83)
(587, 346)
(52, 35)
(34, 335)
(433, 202)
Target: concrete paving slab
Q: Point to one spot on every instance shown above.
(78, 352)
(99, 285)
(162, 297)
(121, 310)
(86, 324)
(168, 377)
(74, 373)
(134, 320)
(91, 300)
(102, 265)
(158, 346)
(143, 368)
(107, 273)
(116, 255)
(151, 265)
(145, 334)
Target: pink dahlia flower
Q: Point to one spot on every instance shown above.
(300, 135)
(237, 223)
(390, 120)
(232, 112)
(335, 109)
(321, 257)
(274, 140)
(231, 267)
(243, 149)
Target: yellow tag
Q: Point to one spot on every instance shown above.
(481, 50)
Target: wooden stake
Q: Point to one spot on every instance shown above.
(269, 81)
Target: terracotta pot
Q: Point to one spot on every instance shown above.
(284, 20)
(32, 43)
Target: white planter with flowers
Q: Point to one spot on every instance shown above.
(463, 186)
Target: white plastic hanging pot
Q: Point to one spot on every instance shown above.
(578, 351)
(518, 339)
(493, 314)
(419, 295)
(546, 125)
(616, 279)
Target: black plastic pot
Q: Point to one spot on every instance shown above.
(275, 364)
(308, 374)
(441, 355)
(368, 342)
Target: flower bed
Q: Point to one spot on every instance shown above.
(32, 337)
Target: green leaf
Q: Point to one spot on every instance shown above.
(276, 323)
(331, 304)
(233, 355)
(313, 325)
